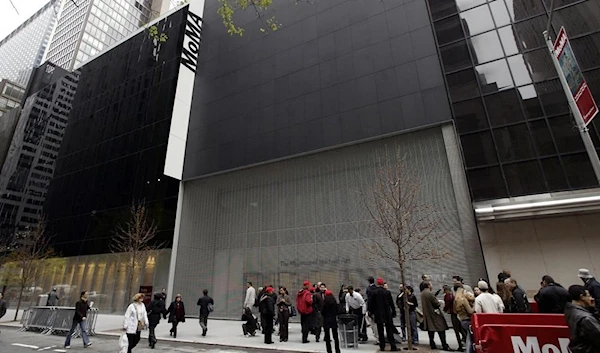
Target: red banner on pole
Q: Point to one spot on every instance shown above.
(577, 85)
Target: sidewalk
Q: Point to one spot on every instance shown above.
(229, 333)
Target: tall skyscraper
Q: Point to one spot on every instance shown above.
(24, 48)
(87, 27)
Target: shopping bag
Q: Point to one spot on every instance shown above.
(123, 343)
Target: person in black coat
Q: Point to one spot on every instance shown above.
(381, 306)
(249, 328)
(267, 313)
(552, 297)
(155, 310)
(176, 314)
(329, 312)
(206, 304)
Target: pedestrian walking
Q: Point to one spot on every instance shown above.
(81, 309)
(156, 309)
(591, 285)
(52, 298)
(3, 306)
(136, 320)
(329, 312)
(304, 305)
(206, 304)
(434, 320)
(584, 327)
(381, 306)
(267, 311)
(250, 298)
(449, 309)
(284, 303)
(552, 297)
(176, 314)
(318, 301)
(519, 301)
(464, 303)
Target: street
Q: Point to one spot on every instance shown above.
(14, 341)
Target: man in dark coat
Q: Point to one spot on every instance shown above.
(434, 320)
(155, 310)
(206, 304)
(81, 309)
(591, 285)
(584, 327)
(267, 312)
(53, 298)
(552, 297)
(176, 314)
(381, 306)
(318, 301)
(520, 303)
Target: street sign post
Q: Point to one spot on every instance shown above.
(578, 93)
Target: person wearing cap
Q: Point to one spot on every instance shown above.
(381, 306)
(485, 302)
(304, 305)
(176, 314)
(267, 312)
(434, 320)
(591, 285)
(53, 298)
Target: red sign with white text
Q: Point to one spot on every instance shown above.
(577, 85)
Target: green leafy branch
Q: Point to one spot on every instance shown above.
(159, 37)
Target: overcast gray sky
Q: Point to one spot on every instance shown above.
(9, 19)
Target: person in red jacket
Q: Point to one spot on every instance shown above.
(304, 305)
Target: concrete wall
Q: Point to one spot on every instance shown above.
(532, 248)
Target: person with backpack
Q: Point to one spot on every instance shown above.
(206, 304)
(304, 305)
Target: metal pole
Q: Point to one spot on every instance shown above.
(583, 130)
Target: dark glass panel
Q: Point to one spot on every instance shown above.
(504, 108)
(513, 143)
(579, 171)
(578, 19)
(487, 183)
(529, 33)
(554, 173)
(566, 134)
(520, 9)
(553, 97)
(455, 56)
(470, 115)
(448, 30)
(530, 101)
(462, 85)
(478, 149)
(586, 51)
(442, 8)
(542, 138)
(540, 65)
(524, 178)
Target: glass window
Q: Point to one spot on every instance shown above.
(500, 13)
(529, 33)
(467, 4)
(578, 19)
(542, 138)
(586, 50)
(470, 115)
(520, 9)
(554, 173)
(530, 101)
(442, 8)
(524, 178)
(579, 170)
(494, 76)
(508, 40)
(519, 70)
(477, 20)
(553, 97)
(513, 143)
(487, 183)
(448, 30)
(456, 56)
(462, 85)
(478, 149)
(566, 134)
(540, 65)
(504, 108)
(486, 47)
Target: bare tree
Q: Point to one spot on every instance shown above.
(135, 238)
(397, 209)
(28, 254)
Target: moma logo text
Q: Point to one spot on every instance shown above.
(191, 41)
(532, 345)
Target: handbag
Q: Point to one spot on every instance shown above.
(140, 324)
(293, 311)
(210, 308)
(123, 343)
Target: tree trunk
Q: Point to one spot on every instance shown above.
(406, 309)
(19, 303)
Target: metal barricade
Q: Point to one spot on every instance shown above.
(348, 330)
(56, 320)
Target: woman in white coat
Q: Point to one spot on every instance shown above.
(136, 319)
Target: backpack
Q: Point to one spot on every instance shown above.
(304, 302)
(210, 308)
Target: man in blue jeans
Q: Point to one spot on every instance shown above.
(81, 309)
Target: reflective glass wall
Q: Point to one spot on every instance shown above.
(514, 122)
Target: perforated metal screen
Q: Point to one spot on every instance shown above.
(303, 218)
